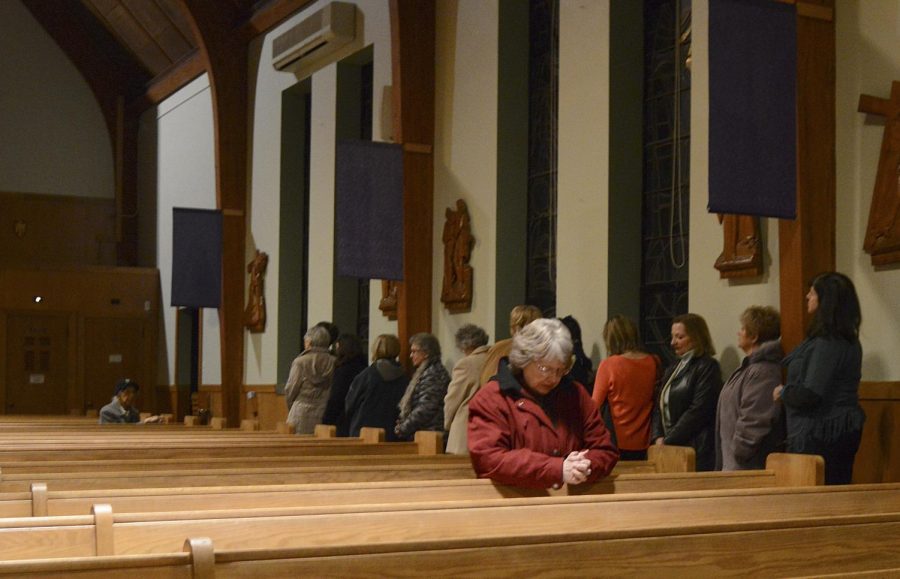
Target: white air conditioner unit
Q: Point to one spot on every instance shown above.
(322, 33)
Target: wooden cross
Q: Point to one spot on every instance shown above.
(883, 233)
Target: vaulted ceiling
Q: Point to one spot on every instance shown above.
(143, 50)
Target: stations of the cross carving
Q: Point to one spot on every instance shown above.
(882, 240)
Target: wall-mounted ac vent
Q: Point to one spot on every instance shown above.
(322, 33)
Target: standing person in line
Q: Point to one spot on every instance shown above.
(464, 383)
(626, 380)
(582, 368)
(350, 362)
(376, 391)
(422, 405)
(685, 410)
(821, 393)
(532, 425)
(309, 383)
(519, 317)
(748, 422)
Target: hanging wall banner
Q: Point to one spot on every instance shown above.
(369, 212)
(196, 258)
(752, 108)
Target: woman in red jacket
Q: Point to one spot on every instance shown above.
(533, 426)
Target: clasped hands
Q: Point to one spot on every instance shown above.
(576, 467)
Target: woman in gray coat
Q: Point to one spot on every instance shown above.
(748, 421)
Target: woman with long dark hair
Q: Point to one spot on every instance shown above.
(821, 393)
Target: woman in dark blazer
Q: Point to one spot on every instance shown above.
(821, 393)
(688, 393)
(375, 392)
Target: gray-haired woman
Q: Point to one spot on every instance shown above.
(533, 426)
(464, 383)
(422, 405)
(309, 383)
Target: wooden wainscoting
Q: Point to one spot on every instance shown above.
(878, 459)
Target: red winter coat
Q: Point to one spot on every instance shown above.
(513, 441)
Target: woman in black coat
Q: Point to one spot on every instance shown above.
(376, 391)
(688, 393)
(821, 393)
(350, 362)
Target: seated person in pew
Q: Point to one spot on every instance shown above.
(121, 409)
(532, 425)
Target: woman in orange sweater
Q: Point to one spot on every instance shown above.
(626, 380)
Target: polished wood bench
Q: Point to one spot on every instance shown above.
(739, 513)
(783, 470)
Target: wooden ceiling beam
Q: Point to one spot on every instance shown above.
(226, 58)
(271, 15)
(164, 85)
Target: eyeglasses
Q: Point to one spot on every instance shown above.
(550, 371)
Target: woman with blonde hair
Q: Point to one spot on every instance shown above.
(625, 381)
(375, 392)
(748, 421)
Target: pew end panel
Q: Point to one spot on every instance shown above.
(371, 435)
(796, 470)
(284, 428)
(669, 458)
(430, 442)
(250, 425)
(325, 431)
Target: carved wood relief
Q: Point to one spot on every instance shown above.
(255, 312)
(882, 240)
(456, 292)
(389, 297)
(742, 252)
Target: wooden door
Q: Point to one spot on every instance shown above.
(112, 351)
(37, 364)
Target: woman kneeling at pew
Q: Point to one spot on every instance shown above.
(532, 425)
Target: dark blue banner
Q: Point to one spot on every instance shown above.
(196, 257)
(369, 210)
(752, 108)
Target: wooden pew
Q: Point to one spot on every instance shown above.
(856, 546)
(672, 457)
(783, 470)
(542, 520)
(666, 459)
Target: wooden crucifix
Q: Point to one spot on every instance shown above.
(882, 240)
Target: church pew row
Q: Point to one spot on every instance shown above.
(356, 469)
(855, 546)
(783, 470)
(123, 448)
(741, 512)
(661, 459)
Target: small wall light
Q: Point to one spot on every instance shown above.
(38, 299)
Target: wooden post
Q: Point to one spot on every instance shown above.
(807, 244)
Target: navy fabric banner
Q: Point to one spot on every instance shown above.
(752, 108)
(196, 257)
(369, 212)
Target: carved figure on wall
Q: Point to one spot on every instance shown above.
(390, 295)
(742, 252)
(255, 312)
(882, 240)
(456, 292)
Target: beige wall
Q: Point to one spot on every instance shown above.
(54, 138)
(179, 135)
(373, 29)
(582, 261)
(465, 160)
(868, 61)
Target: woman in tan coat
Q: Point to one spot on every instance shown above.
(309, 383)
(464, 383)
